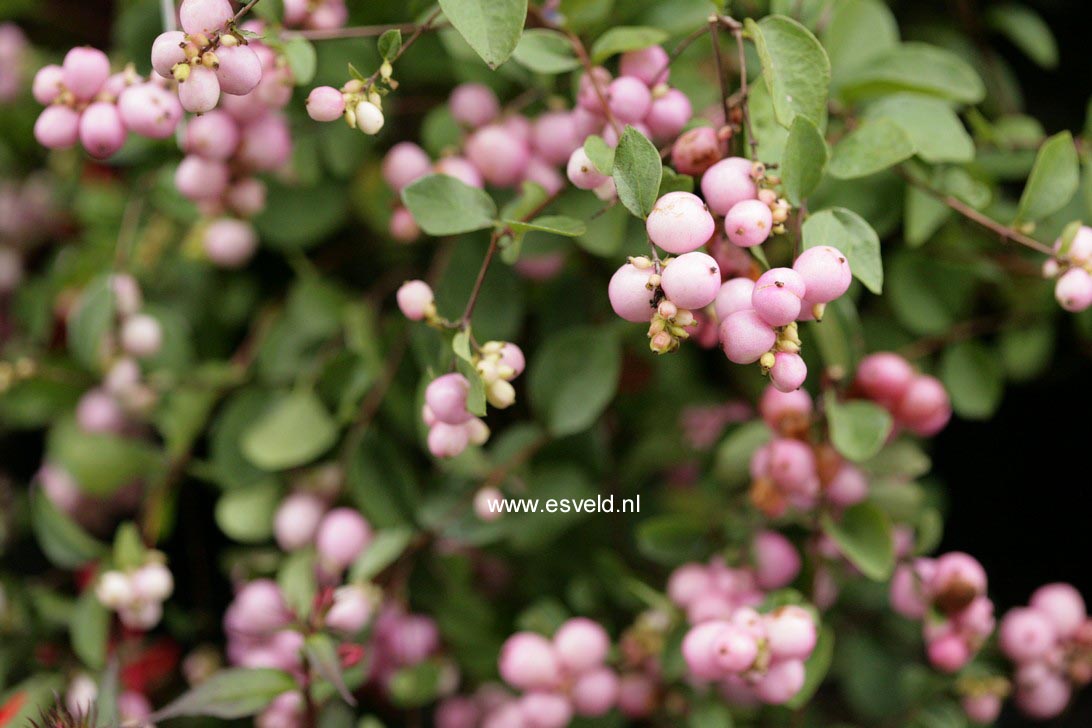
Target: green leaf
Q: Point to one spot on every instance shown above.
(600, 153)
(929, 123)
(1027, 30)
(417, 685)
(1053, 181)
(442, 205)
(296, 579)
(850, 233)
(385, 548)
(573, 378)
(64, 542)
(923, 216)
(246, 514)
(838, 337)
(1026, 352)
(858, 429)
(671, 539)
(870, 148)
(464, 362)
(545, 51)
(91, 321)
(710, 713)
(858, 31)
(297, 217)
(230, 693)
(128, 551)
(89, 628)
(863, 535)
(293, 431)
(100, 463)
(795, 68)
(623, 39)
(389, 44)
(804, 159)
(637, 170)
(491, 27)
(302, 60)
(734, 452)
(322, 654)
(672, 181)
(974, 379)
(916, 67)
(556, 224)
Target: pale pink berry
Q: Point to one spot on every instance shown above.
(586, 123)
(266, 143)
(81, 695)
(98, 412)
(884, 377)
(581, 644)
(1080, 248)
(246, 196)
(403, 227)
(1074, 290)
(777, 296)
(150, 110)
(727, 183)
(781, 682)
(907, 592)
(648, 64)
(591, 92)
(201, 179)
(541, 709)
(200, 91)
(460, 169)
(594, 692)
(1026, 634)
(404, 163)
(513, 358)
(748, 223)
(127, 296)
(239, 70)
(679, 223)
(296, 520)
(48, 84)
(629, 99)
(544, 175)
(415, 299)
(982, 709)
(167, 52)
(326, 103)
(745, 337)
(141, 336)
(582, 172)
(949, 653)
(85, 71)
(734, 295)
(230, 243)
(629, 294)
(848, 487)
(204, 16)
(776, 561)
(446, 397)
(447, 441)
(214, 135)
(528, 661)
(133, 708)
(351, 610)
(699, 650)
(791, 464)
(554, 136)
(473, 104)
(825, 271)
(1062, 605)
(101, 131)
(669, 114)
(789, 371)
(696, 151)
(924, 407)
(687, 583)
(258, 608)
(124, 374)
(1044, 699)
(488, 504)
(734, 649)
(790, 633)
(499, 155)
(636, 695)
(153, 581)
(342, 536)
(57, 127)
(775, 406)
(692, 280)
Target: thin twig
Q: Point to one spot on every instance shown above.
(421, 30)
(170, 19)
(360, 31)
(744, 93)
(244, 10)
(679, 49)
(714, 37)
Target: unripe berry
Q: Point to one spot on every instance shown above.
(1062, 605)
(446, 397)
(776, 561)
(582, 172)
(351, 610)
(473, 104)
(500, 394)
(48, 84)
(326, 103)
(230, 243)
(745, 337)
(85, 71)
(629, 294)
(150, 110)
(594, 692)
(554, 136)
(447, 441)
(415, 299)
(153, 582)
(691, 281)
(680, 223)
(296, 520)
(781, 682)
(369, 117)
(201, 179)
(500, 155)
(777, 296)
(141, 336)
(214, 135)
(114, 590)
(460, 169)
(239, 71)
(651, 65)
(528, 661)
(1074, 290)
(167, 51)
(204, 16)
(696, 151)
(825, 271)
(404, 163)
(727, 183)
(748, 223)
(629, 99)
(342, 536)
(581, 645)
(1026, 634)
(669, 114)
(200, 92)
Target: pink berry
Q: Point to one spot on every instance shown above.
(167, 52)
(781, 682)
(473, 104)
(85, 71)
(1044, 699)
(204, 16)
(791, 464)
(582, 172)
(581, 644)
(326, 103)
(554, 136)
(446, 397)
(542, 709)
(696, 151)
(296, 520)
(230, 243)
(687, 583)
(591, 92)
(1074, 290)
(1062, 605)
(679, 223)
(734, 295)
(150, 110)
(775, 406)
(141, 336)
(351, 610)
(48, 84)
(489, 504)
(403, 227)
(460, 169)
(745, 337)
(201, 179)
(342, 536)
(1080, 248)
(629, 294)
(648, 64)
(266, 143)
(594, 692)
(98, 412)
(958, 570)
(57, 127)
(790, 633)
(414, 299)
(1026, 634)
(924, 407)
(777, 296)
(884, 377)
(457, 712)
(200, 91)
(544, 175)
(239, 70)
(101, 130)
(636, 695)
(699, 650)
(214, 135)
(404, 163)
(734, 649)
(848, 487)
(246, 196)
(629, 98)
(727, 183)
(949, 653)
(982, 709)
(789, 371)
(512, 357)
(669, 114)
(748, 223)
(499, 155)
(258, 608)
(825, 271)
(692, 280)
(133, 708)
(777, 562)
(447, 441)
(528, 661)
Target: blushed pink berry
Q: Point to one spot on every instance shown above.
(775, 406)
(924, 407)
(727, 183)
(403, 227)
(141, 336)
(692, 280)
(528, 661)
(351, 610)
(680, 223)
(554, 136)
(1026, 634)
(789, 371)
(85, 71)
(404, 163)
(200, 91)
(777, 296)
(1044, 699)
(699, 650)
(790, 633)
(982, 709)
(636, 695)
(748, 223)
(588, 93)
(414, 299)
(648, 64)
(230, 243)
(57, 127)
(582, 172)
(239, 70)
(473, 104)
(326, 103)
(101, 130)
(884, 377)
(167, 52)
(734, 295)
(342, 536)
(499, 155)
(594, 692)
(266, 143)
(1062, 605)
(825, 271)
(446, 397)
(203, 16)
(629, 99)
(447, 441)
(776, 561)
(1073, 290)
(734, 649)
(543, 709)
(791, 463)
(629, 294)
(696, 151)
(296, 520)
(462, 170)
(201, 179)
(848, 487)
(98, 412)
(669, 114)
(214, 135)
(745, 337)
(150, 110)
(543, 174)
(581, 644)
(949, 653)
(781, 682)
(246, 196)
(48, 84)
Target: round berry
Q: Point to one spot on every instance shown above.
(884, 377)
(101, 131)
(691, 281)
(629, 98)
(669, 114)
(460, 169)
(342, 536)
(630, 296)
(48, 84)
(594, 692)
(727, 183)
(57, 127)
(240, 70)
(168, 51)
(581, 644)
(748, 223)
(150, 110)
(141, 336)
(446, 397)
(745, 337)
(554, 136)
(296, 520)
(204, 16)
(781, 682)
(230, 243)
(777, 295)
(415, 299)
(200, 91)
(696, 151)
(473, 104)
(369, 117)
(85, 71)
(734, 295)
(326, 103)
(1062, 605)
(582, 172)
(776, 561)
(1074, 290)
(404, 163)
(680, 223)
(499, 155)
(1026, 634)
(214, 135)
(825, 271)
(651, 65)
(528, 661)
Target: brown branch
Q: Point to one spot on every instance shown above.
(360, 31)
(744, 92)
(714, 37)
(243, 11)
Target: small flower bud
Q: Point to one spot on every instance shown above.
(501, 394)
(766, 361)
(181, 71)
(667, 309)
(369, 119)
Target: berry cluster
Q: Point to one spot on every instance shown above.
(13, 57)
(315, 14)
(85, 103)
(361, 106)
(918, 402)
(949, 594)
(1071, 266)
(451, 426)
(137, 595)
(1050, 642)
